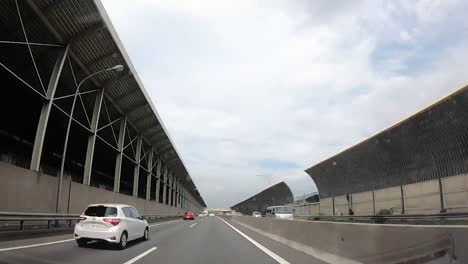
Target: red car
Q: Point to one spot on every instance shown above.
(189, 215)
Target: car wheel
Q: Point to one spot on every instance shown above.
(146, 234)
(82, 242)
(123, 240)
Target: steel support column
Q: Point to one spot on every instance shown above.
(333, 205)
(174, 201)
(403, 205)
(92, 138)
(180, 195)
(136, 170)
(148, 176)
(158, 180)
(174, 192)
(177, 203)
(373, 202)
(45, 110)
(119, 158)
(169, 189)
(164, 185)
(443, 206)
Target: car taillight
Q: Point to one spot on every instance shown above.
(113, 221)
(82, 219)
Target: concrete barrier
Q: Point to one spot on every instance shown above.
(23, 190)
(366, 243)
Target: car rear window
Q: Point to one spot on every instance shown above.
(101, 211)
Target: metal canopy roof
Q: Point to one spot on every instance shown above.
(95, 45)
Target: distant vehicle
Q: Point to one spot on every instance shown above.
(256, 214)
(280, 212)
(211, 214)
(201, 215)
(114, 223)
(189, 216)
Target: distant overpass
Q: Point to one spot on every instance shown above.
(77, 127)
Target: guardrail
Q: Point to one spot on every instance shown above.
(383, 218)
(16, 221)
(157, 218)
(20, 218)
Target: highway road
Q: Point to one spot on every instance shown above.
(208, 240)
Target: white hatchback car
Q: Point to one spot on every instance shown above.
(114, 223)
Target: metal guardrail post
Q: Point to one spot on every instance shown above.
(21, 224)
(333, 205)
(373, 202)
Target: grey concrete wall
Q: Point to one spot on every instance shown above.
(365, 243)
(363, 203)
(422, 197)
(419, 198)
(26, 191)
(456, 193)
(341, 205)
(22, 190)
(388, 198)
(82, 195)
(307, 210)
(326, 206)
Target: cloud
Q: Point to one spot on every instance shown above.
(255, 87)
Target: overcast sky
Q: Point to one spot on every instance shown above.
(274, 87)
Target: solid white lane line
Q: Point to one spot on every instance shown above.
(133, 260)
(36, 245)
(260, 246)
(164, 223)
(193, 225)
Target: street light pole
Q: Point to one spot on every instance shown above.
(117, 68)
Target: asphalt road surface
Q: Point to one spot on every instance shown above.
(208, 240)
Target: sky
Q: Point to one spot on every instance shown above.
(271, 88)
